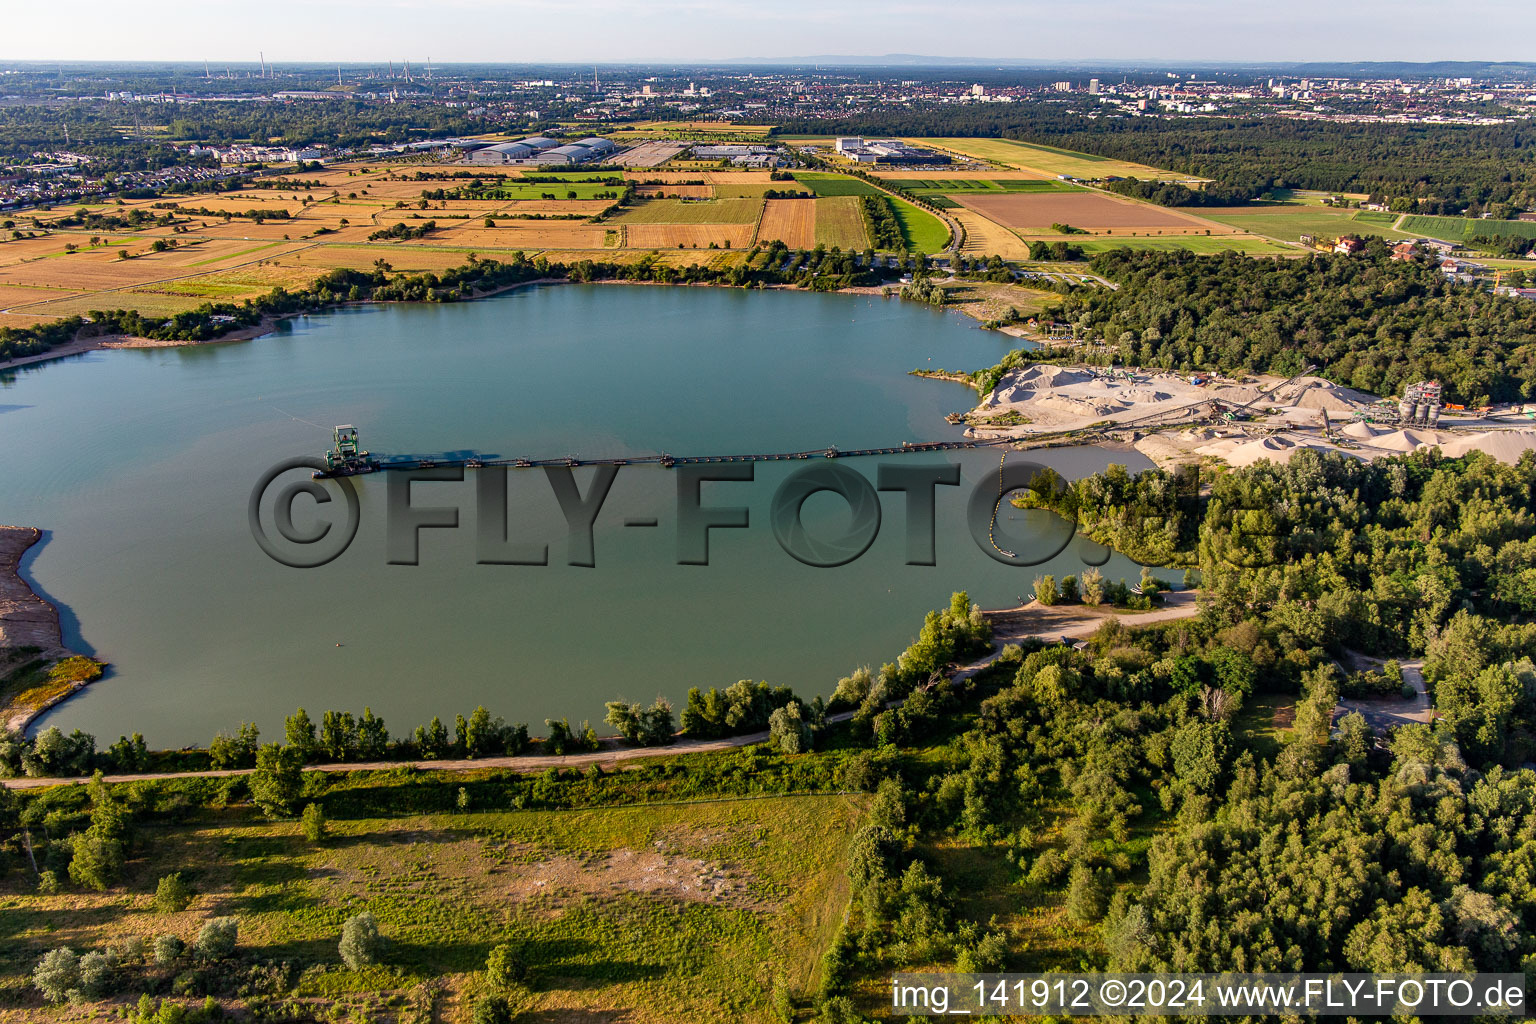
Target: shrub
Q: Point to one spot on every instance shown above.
(314, 823)
(173, 894)
(217, 939)
(1087, 894)
(492, 1010)
(168, 949)
(1048, 867)
(95, 973)
(505, 968)
(56, 974)
(361, 942)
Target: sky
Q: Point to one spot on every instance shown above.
(680, 31)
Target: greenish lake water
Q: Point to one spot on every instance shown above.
(139, 463)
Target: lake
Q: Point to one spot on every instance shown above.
(140, 464)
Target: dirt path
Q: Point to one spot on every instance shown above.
(1034, 621)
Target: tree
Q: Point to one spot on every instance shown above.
(646, 727)
(1087, 893)
(237, 751)
(172, 894)
(277, 780)
(787, 732)
(216, 939)
(313, 823)
(361, 942)
(57, 974)
(1045, 590)
(1093, 587)
(299, 733)
(505, 967)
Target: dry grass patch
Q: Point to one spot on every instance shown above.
(791, 221)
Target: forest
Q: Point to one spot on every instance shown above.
(1366, 321)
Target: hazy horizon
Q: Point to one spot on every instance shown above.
(708, 31)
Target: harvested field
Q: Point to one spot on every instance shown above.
(1034, 214)
(670, 236)
(840, 222)
(791, 221)
(988, 238)
(678, 211)
(512, 234)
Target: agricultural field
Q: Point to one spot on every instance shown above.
(840, 222)
(1094, 213)
(678, 211)
(988, 238)
(791, 221)
(931, 187)
(1046, 161)
(652, 913)
(1290, 220)
(1462, 229)
(687, 236)
(836, 184)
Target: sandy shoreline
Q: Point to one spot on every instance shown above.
(111, 341)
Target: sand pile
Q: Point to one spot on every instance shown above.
(1405, 440)
(1364, 431)
(1504, 445)
(1316, 393)
(1024, 385)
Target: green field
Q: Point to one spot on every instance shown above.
(923, 231)
(691, 211)
(1463, 229)
(515, 189)
(1290, 220)
(836, 185)
(1046, 160)
(659, 913)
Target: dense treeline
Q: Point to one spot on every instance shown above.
(1366, 321)
(1171, 193)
